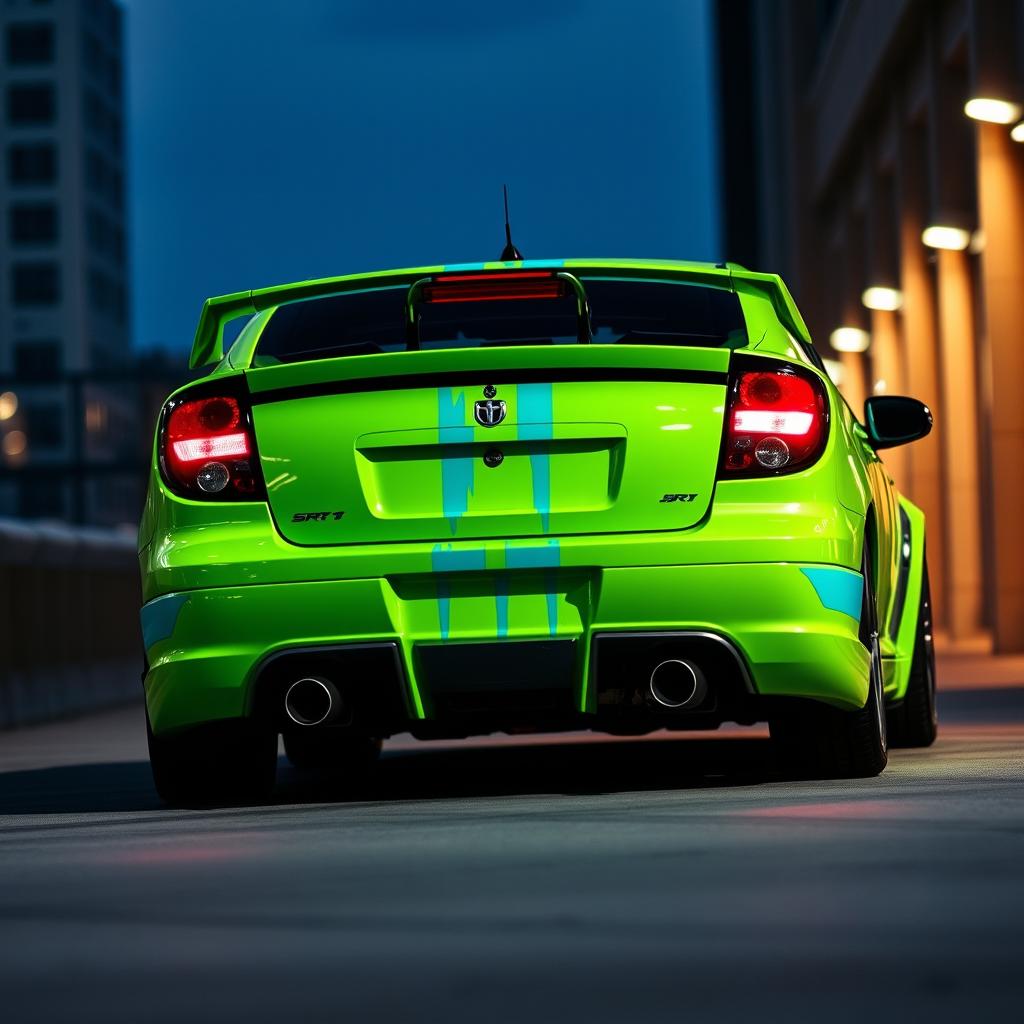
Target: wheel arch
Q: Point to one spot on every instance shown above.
(903, 617)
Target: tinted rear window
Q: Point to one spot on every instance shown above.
(622, 312)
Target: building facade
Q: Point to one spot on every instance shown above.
(872, 151)
(64, 283)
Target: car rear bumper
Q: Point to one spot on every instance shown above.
(792, 628)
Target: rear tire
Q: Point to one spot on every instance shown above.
(825, 743)
(230, 762)
(915, 722)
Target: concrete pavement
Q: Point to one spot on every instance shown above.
(661, 879)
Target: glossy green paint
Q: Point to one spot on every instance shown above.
(795, 646)
(564, 468)
(568, 537)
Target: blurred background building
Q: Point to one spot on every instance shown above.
(872, 152)
(69, 396)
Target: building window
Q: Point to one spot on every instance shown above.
(31, 104)
(33, 223)
(30, 42)
(37, 360)
(44, 425)
(35, 284)
(32, 164)
(106, 295)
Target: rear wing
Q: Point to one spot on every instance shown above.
(218, 312)
(774, 289)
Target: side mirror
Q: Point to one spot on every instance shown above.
(893, 420)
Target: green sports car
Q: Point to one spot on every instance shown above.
(539, 495)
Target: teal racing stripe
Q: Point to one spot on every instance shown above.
(501, 604)
(535, 423)
(533, 556)
(540, 556)
(841, 590)
(462, 268)
(159, 617)
(449, 559)
(456, 472)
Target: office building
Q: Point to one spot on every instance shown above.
(872, 151)
(64, 282)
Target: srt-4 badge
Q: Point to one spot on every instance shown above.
(315, 517)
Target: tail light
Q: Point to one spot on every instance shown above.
(776, 421)
(207, 449)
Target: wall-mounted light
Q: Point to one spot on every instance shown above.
(882, 298)
(850, 339)
(834, 369)
(1017, 132)
(8, 405)
(987, 108)
(944, 236)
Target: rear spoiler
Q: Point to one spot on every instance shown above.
(218, 312)
(773, 288)
(208, 344)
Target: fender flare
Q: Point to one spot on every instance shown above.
(904, 632)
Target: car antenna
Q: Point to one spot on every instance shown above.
(510, 252)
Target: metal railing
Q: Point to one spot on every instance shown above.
(69, 634)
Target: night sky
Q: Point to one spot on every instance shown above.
(273, 141)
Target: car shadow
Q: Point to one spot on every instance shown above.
(460, 772)
(586, 764)
(557, 767)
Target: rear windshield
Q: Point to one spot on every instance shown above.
(622, 312)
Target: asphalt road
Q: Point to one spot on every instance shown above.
(664, 879)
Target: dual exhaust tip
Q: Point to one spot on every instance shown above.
(313, 700)
(676, 685)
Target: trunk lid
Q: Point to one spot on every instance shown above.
(390, 447)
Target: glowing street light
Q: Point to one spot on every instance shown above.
(8, 405)
(985, 108)
(1017, 132)
(850, 339)
(879, 297)
(15, 443)
(945, 236)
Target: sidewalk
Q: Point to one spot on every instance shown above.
(976, 671)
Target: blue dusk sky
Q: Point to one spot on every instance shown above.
(278, 140)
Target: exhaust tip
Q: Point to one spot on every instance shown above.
(311, 701)
(676, 684)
